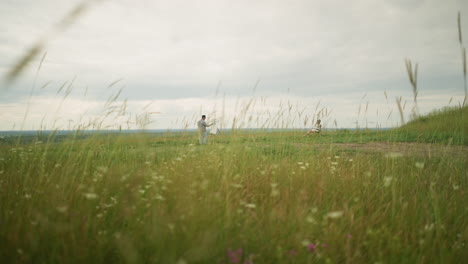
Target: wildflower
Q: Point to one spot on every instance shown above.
(274, 192)
(394, 155)
(349, 236)
(61, 209)
(250, 205)
(171, 227)
(455, 187)
(334, 214)
(387, 181)
(334, 163)
(305, 242)
(27, 196)
(182, 261)
(337, 157)
(419, 165)
(350, 160)
(311, 220)
(102, 169)
(90, 196)
(234, 256)
(311, 247)
(324, 245)
(429, 227)
(303, 167)
(300, 163)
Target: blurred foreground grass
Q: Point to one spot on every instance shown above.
(244, 198)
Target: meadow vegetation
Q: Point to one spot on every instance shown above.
(246, 197)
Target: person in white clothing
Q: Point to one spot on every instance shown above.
(316, 129)
(202, 133)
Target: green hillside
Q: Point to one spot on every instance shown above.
(448, 125)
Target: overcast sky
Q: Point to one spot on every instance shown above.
(176, 60)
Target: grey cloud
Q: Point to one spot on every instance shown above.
(166, 50)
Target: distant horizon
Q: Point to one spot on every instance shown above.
(156, 131)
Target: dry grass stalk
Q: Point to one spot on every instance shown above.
(398, 101)
(39, 46)
(463, 54)
(413, 78)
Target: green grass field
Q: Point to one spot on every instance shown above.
(396, 196)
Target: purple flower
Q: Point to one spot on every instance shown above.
(292, 253)
(349, 236)
(234, 256)
(311, 248)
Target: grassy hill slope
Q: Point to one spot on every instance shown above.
(448, 125)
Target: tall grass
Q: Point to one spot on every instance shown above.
(463, 55)
(278, 197)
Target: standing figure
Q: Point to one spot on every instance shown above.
(316, 129)
(202, 133)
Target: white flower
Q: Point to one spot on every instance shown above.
(419, 165)
(387, 181)
(334, 214)
(305, 242)
(394, 155)
(250, 205)
(311, 220)
(274, 192)
(90, 196)
(102, 169)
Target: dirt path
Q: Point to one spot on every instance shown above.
(397, 148)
